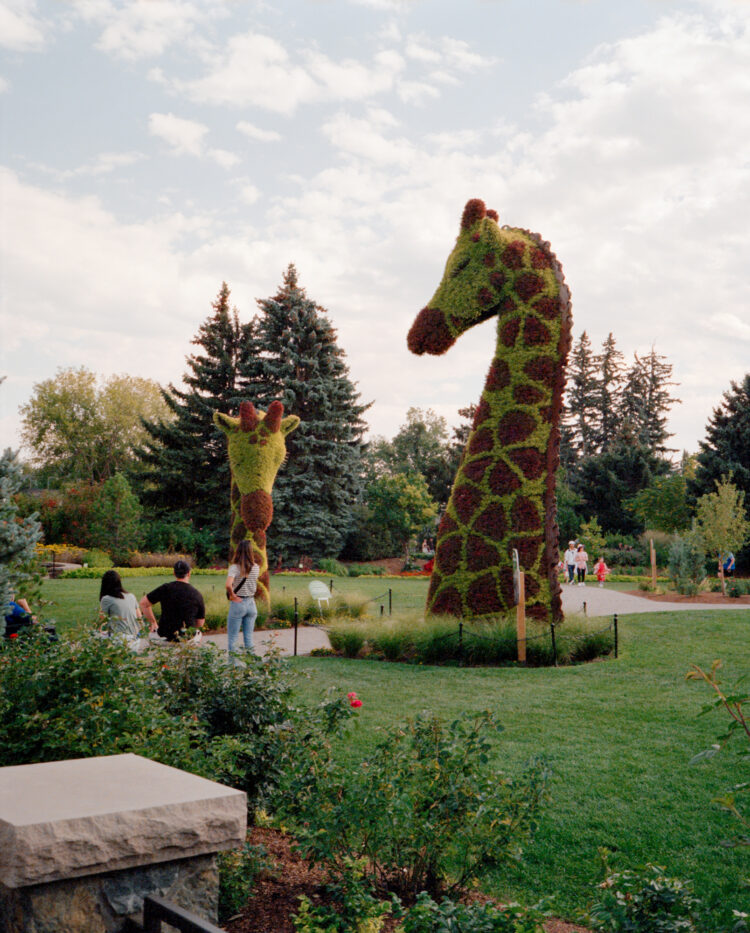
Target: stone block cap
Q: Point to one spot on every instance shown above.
(64, 819)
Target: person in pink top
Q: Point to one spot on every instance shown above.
(601, 570)
(581, 564)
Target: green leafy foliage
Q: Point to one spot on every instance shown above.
(18, 536)
(238, 871)
(427, 810)
(449, 916)
(115, 519)
(401, 506)
(645, 901)
(687, 563)
(721, 518)
(663, 505)
(353, 907)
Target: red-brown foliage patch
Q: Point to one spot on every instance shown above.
(514, 427)
(483, 596)
(541, 369)
(273, 416)
(539, 259)
(535, 334)
(447, 602)
(466, 500)
(529, 460)
(528, 284)
(248, 416)
(498, 377)
(492, 522)
(528, 395)
(528, 550)
(256, 509)
(489, 259)
(498, 280)
(259, 537)
(429, 333)
(525, 515)
(547, 307)
(481, 441)
(509, 331)
(503, 480)
(448, 555)
(475, 469)
(447, 525)
(493, 215)
(513, 254)
(482, 413)
(239, 533)
(538, 612)
(485, 296)
(475, 210)
(480, 554)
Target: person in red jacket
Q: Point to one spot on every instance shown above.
(601, 570)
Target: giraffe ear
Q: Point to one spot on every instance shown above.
(288, 424)
(493, 215)
(475, 210)
(273, 416)
(225, 423)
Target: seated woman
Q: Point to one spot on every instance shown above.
(118, 608)
(17, 616)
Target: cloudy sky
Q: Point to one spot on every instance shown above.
(150, 149)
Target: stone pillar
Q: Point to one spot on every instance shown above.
(82, 842)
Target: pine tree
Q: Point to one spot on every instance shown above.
(582, 397)
(608, 401)
(301, 364)
(726, 449)
(646, 400)
(17, 536)
(184, 474)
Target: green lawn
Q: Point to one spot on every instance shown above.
(619, 736)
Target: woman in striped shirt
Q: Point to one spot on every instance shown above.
(242, 609)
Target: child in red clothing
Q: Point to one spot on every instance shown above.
(601, 570)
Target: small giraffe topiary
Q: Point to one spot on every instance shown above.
(503, 496)
(257, 449)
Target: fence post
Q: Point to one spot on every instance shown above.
(554, 642)
(585, 611)
(382, 610)
(653, 562)
(390, 601)
(521, 618)
(461, 642)
(616, 638)
(330, 585)
(296, 623)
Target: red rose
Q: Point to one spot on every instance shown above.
(355, 702)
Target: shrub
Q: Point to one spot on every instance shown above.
(645, 901)
(155, 559)
(331, 566)
(687, 563)
(63, 553)
(427, 810)
(98, 558)
(365, 570)
(238, 870)
(450, 917)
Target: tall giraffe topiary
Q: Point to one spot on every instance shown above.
(503, 496)
(257, 448)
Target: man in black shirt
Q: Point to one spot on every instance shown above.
(181, 604)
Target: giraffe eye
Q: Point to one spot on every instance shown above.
(459, 268)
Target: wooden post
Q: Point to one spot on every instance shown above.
(721, 576)
(521, 618)
(653, 562)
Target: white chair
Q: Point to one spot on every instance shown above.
(320, 593)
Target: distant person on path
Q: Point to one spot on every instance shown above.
(601, 570)
(570, 561)
(181, 604)
(729, 565)
(118, 608)
(581, 564)
(242, 580)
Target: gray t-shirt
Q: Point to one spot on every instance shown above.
(234, 574)
(122, 615)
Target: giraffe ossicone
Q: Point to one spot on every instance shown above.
(503, 496)
(256, 444)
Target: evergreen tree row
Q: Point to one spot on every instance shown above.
(287, 352)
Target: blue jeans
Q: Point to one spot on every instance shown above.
(241, 615)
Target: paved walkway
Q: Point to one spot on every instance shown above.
(601, 601)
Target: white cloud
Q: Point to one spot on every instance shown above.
(20, 29)
(223, 158)
(3, 85)
(249, 194)
(183, 136)
(143, 28)
(255, 132)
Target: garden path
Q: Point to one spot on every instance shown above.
(601, 601)
(308, 638)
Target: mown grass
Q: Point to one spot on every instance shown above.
(619, 736)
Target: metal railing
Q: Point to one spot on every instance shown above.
(157, 911)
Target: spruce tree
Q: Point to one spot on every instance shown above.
(726, 449)
(17, 536)
(646, 400)
(184, 474)
(608, 402)
(582, 397)
(301, 364)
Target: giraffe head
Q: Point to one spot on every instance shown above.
(257, 445)
(473, 285)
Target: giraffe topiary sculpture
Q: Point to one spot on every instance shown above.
(257, 448)
(503, 496)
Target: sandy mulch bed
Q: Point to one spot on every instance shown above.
(709, 599)
(276, 894)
